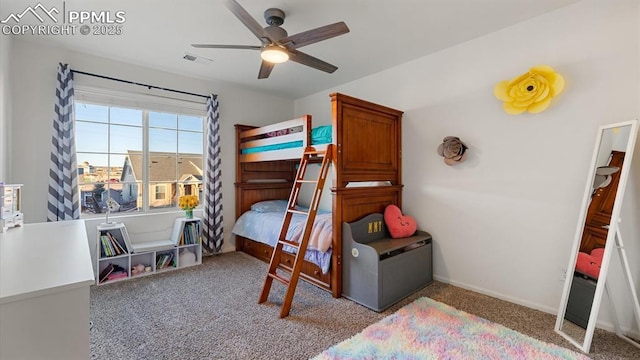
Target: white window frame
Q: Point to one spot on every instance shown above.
(177, 104)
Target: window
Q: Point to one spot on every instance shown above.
(161, 191)
(136, 159)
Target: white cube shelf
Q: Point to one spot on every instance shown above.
(119, 259)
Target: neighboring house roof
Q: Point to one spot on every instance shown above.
(162, 166)
(116, 195)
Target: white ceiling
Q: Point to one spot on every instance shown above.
(383, 34)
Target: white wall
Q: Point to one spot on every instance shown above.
(33, 89)
(503, 222)
(5, 106)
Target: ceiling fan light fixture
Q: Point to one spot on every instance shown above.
(274, 54)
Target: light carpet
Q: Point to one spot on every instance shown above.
(427, 329)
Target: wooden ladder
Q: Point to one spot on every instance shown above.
(291, 282)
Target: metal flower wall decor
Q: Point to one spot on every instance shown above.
(531, 91)
(453, 150)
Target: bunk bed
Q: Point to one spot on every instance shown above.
(368, 151)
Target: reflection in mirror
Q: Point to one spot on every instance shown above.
(595, 233)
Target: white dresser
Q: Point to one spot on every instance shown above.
(45, 275)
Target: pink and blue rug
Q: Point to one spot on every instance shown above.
(427, 329)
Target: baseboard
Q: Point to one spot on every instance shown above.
(604, 325)
(632, 333)
(226, 247)
(500, 296)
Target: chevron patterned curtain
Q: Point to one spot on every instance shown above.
(63, 202)
(212, 225)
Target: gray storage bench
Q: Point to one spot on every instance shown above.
(581, 300)
(377, 270)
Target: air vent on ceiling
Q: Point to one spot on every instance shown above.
(196, 58)
(189, 57)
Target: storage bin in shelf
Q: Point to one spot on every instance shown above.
(189, 255)
(166, 260)
(142, 264)
(112, 253)
(113, 269)
(186, 232)
(187, 235)
(113, 240)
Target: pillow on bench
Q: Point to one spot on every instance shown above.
(589, 264)
(399, 226)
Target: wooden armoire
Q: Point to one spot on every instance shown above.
(598, 217)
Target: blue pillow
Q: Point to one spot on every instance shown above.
(270, 206)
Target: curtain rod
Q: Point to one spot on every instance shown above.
(135, 83)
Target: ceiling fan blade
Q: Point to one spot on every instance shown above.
(265, 69)
(241, 47)
(314, 35)
(305, 59)
(248, 21)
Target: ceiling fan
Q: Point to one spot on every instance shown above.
(277, 46)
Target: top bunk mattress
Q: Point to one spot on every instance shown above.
(319, 135)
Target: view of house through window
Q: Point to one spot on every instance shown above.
(135, 160)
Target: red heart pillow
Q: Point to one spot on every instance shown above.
(598, 254)
(400, 226)
(588, 265)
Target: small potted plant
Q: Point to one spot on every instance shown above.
(188, 203)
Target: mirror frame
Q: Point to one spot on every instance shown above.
(610, 241)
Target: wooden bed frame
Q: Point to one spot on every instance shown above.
(368, 148)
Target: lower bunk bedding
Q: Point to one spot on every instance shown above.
(264, 221)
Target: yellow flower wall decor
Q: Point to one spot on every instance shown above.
(531, 91)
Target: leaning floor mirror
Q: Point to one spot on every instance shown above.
(597, 237)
